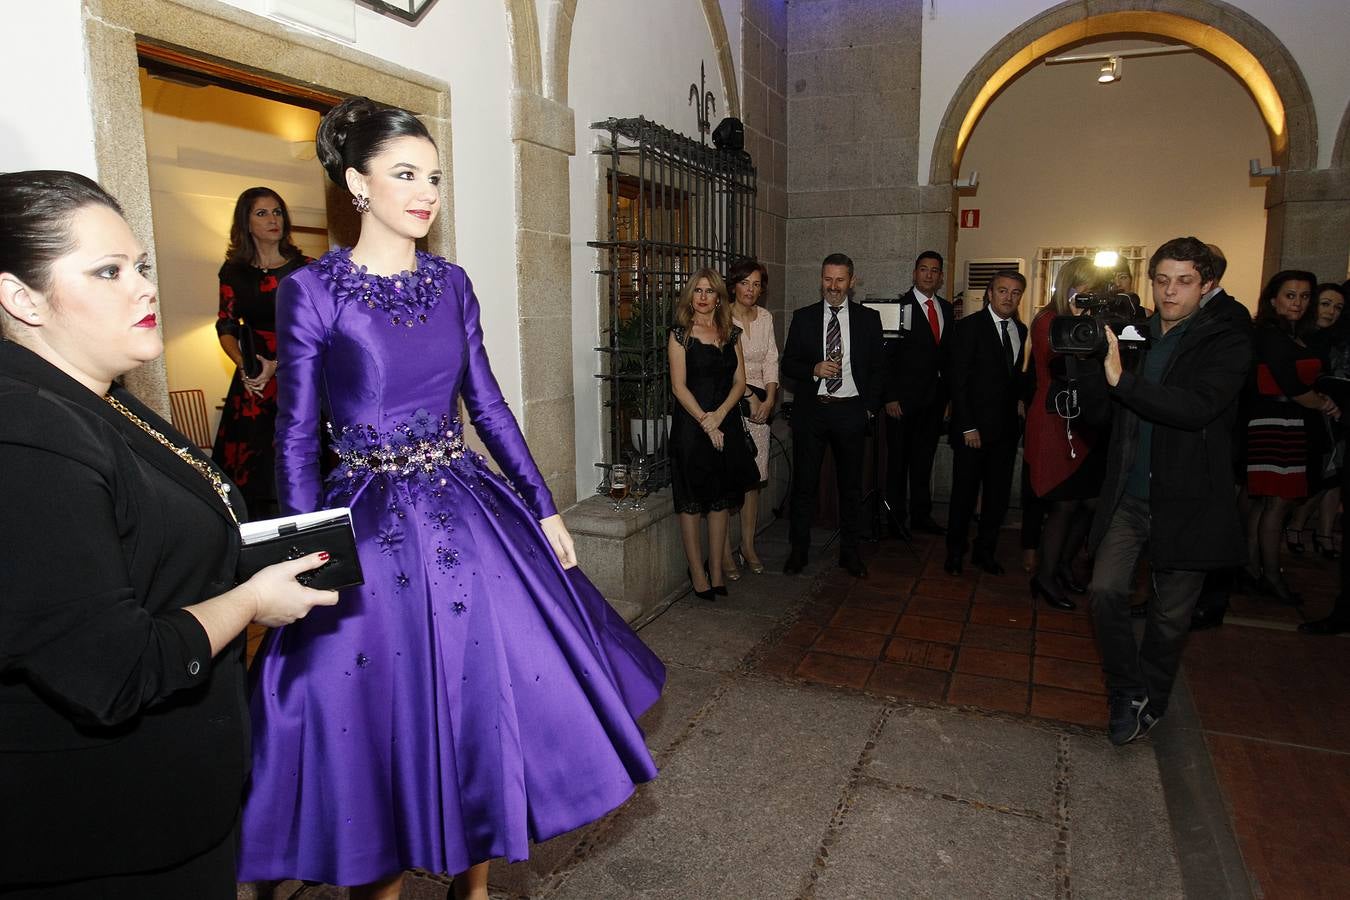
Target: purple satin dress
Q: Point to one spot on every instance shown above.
(471, 696)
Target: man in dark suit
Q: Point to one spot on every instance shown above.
(985, 375)
(916, 397)
(834, 354)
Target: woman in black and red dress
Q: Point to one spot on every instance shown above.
(1065, 459)
(1277, 432)
(260, 255)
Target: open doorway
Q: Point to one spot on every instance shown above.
(209, 138)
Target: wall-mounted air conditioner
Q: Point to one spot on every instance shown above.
(979, 272)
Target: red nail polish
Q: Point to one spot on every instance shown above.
(323, 555)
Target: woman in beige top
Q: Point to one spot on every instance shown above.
(748, 279)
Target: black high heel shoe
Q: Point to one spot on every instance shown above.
(1064, 578)
(1041, 592)
(710, 594)
(1326, 550)
(718, 589)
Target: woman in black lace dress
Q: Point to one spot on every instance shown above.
(259, 256)
(712, 458)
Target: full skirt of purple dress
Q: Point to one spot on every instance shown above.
(472, 696)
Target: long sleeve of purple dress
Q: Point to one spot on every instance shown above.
(304, 317)
(492, 417)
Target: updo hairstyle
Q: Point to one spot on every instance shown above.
(36, 209)
(356, 130)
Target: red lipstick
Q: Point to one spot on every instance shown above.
(148, 322)
(420, 213)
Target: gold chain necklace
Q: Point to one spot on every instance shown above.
(205, 470)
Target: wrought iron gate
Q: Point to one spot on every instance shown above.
(674, 207)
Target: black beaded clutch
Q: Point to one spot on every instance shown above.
(272, 541)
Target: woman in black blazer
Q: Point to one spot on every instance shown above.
(123, 735)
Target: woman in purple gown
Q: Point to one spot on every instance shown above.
(476, 693)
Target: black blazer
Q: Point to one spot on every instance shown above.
(915, 363)
(123, 744)
(1193, 514)
(804, 348)
(984, 391)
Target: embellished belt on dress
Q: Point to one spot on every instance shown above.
(419, 446)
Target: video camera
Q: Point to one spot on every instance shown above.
(1085, 335)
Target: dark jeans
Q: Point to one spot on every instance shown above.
(911, 441)
(841, 426)
(1151, 667)
(987, 471)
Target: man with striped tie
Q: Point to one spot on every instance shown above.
(833, 354)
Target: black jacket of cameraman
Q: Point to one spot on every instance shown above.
(1194, 521)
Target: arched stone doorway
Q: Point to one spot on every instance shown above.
(1296, 201)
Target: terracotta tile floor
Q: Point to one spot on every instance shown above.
(1272, 707)
(913, 632)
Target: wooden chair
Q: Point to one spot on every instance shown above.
(187, 411)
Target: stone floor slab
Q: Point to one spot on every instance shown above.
(901, 844)
(685, 692)
(696, 637)
(990, 760)
(740, 807)
(1120, 841)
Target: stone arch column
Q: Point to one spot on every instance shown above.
(543, 138)
(1232, 39)
(1340, 153)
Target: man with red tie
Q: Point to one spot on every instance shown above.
(915, 395)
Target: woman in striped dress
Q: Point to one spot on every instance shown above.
(1277, 433)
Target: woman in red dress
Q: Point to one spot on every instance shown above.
(260, 255)
(1065, 457)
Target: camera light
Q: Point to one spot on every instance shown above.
(1106, 259)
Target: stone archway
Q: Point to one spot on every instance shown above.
(1303, 205)
(1229, 36)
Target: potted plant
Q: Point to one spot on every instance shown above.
(643, 391)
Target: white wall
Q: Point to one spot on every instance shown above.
(206, 146)
(1064, 161)
(646, 73)
(45, 121)
(959, 32)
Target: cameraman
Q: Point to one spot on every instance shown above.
(1168, 482)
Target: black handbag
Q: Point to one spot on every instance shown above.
(251, 363)
(761, 394)
(271, 541)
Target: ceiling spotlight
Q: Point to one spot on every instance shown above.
(1110, 71)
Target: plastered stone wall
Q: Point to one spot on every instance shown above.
(852, 140)
(764, 95)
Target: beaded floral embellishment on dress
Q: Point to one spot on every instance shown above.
(408, 297)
